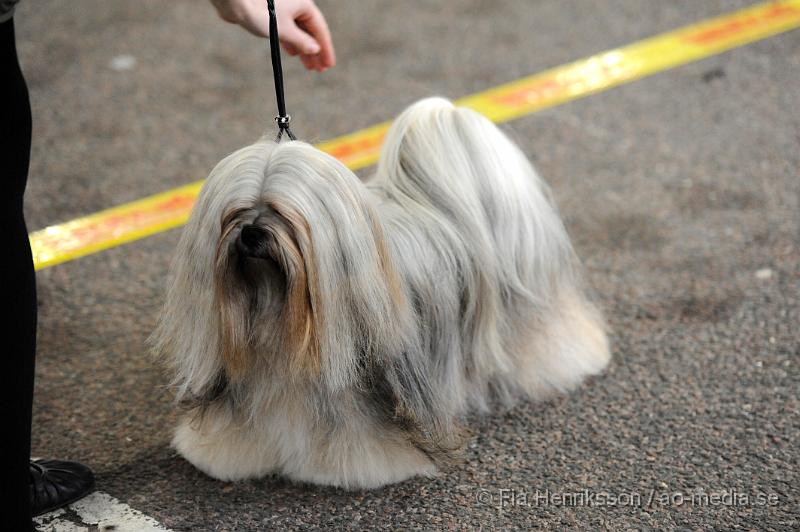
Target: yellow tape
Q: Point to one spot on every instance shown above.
(132, 221)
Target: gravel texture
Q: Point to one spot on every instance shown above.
(681, 191)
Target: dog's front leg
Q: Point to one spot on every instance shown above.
(223, 447)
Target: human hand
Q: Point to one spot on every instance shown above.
(301, 25)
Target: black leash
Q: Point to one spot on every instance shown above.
(283, 117)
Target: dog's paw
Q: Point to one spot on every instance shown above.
(220, 450)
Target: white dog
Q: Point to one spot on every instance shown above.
(336, 333)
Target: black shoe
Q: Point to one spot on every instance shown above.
(57, 483)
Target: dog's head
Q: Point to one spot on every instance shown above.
(303, 279)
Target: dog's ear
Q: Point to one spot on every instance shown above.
(303, 307)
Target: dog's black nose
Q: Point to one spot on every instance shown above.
(252, 241)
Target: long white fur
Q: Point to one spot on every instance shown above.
(479, 301)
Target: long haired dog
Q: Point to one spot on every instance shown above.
(336, 333)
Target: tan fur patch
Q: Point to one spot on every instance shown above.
(303, 309)
(234, 327)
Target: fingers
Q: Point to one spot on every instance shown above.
(305, 43)
(303, 30)
(297, 40)
(312, 22)
(311, 62)
(290, 49)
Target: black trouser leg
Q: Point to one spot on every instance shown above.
(17, 290)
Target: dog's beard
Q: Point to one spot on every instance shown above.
(252, 281)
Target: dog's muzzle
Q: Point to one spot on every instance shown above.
(253, 241)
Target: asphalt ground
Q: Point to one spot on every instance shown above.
(681, 192)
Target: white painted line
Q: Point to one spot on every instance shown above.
(99, 510)
(65, 526)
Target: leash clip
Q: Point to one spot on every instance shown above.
(283, 125)
(283, 117)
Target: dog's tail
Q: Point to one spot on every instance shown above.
(457, 162)
(453, 167)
